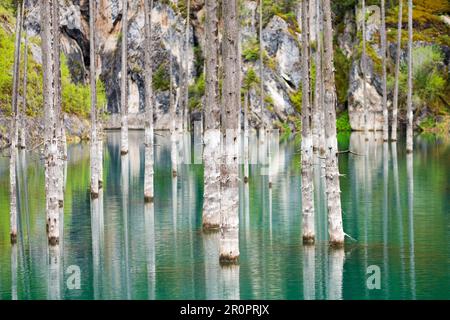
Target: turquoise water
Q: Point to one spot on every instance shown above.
(396, 208)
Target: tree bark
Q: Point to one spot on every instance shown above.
(148, 174)
(397, 72)
(246, 139)
(317, 115)
(13, 126)
(306, 144)
(22, 112)
(93, 80)
(364, 71)
(229, 242)
(383, 56)
(173, 112)
(333, 190)
(409, 110)
(50, 93)
(261, 60)
(124, 79)
(186, 118)
(211, 153)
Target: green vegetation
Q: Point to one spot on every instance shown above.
(75, 97)
(296, 99)
(250, 80)
(343, 64)
(430, 81)
(250, 51)
(286, 9)
(161, 79)
(343, 122)
(196, 92)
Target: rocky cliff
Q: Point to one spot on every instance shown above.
(281, 39)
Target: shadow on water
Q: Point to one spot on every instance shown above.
(394, 204)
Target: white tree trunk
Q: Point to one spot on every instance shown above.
(22, 112)
(124, 79)
(364, 70)
(51, 140)
(93, 80)
(397, 72)
(148, 174)
(13, 126)
(261, 60)
(186, 117)
(13, 182)
(409, 107)
(100, 137)
(383, 56)
(317, 114)
(229, 241)
(173, 113)
(246, 139)
(307, 143)
(333, 190)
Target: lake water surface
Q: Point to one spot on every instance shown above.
(395, 207)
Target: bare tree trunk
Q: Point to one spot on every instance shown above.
(186, 117)
(397, 72)
(246, 139)
(13, 182)
(93, 80)
(124, 78)
(306, 147)
(261, 60)
(333, 190)
(173, 112)
(364, 70)
(148, 175)
(317, 114)
(211, 153)
(409, 111)
(13, 126)
(383, 55)
(100, 135)
(21, 113)
(229, 242)
(60, 131)
(50, 93)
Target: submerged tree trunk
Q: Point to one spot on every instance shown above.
(397, 72)
(13, 181)
(13, 126)
(124, 79)
(148, 174)
(317, 114)
(246, 139)
(60, 131)
(383, 56)
(364, 70)
(94, 145)
(333, 190)
(229, 242)
(261, 59)
(211, 153)
(173, 112)
(409, 111)
(186, 117)
(306, 146)
(50, 93)
(22, 112)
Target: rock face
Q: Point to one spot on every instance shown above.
(373, 77)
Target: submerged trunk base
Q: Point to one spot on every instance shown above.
(226, 259)
(148, 199)
(309, 239)
(13, 237)
(337, 243)
(94, 195)
(123, 152)
(210, 227)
